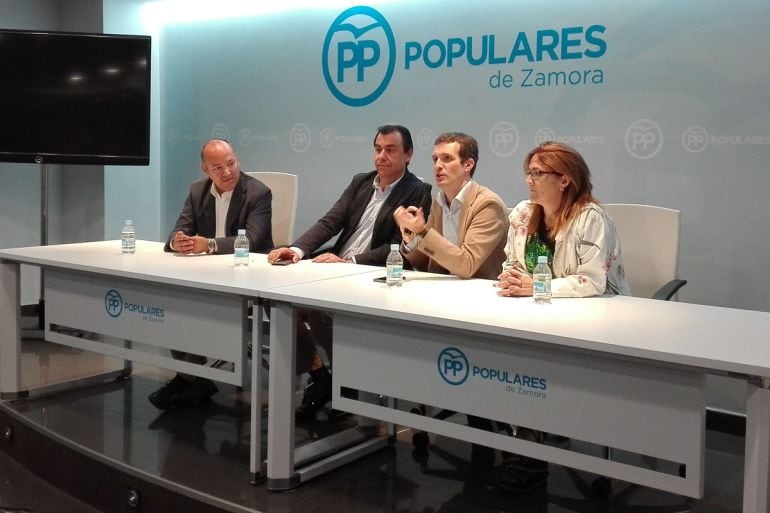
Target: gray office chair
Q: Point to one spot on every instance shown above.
(285, 191)
(649, 240)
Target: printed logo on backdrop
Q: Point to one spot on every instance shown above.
(456, 369)
(425, 138)
(547, 134)
(359, 56)
(116, 306)
(328, 138)
(300, 138)
(644, 139)
(220, 131)
(696, 139)
(175, 136)
(504, 139)
(247, 137)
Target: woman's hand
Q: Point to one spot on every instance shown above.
(513, 282)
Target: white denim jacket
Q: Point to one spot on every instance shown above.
(587, 259)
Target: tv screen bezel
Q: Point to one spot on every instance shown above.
(48, 157)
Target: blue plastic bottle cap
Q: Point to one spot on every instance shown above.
(542, 259)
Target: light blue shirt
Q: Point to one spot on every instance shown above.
(361, 238)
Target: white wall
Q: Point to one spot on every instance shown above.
(134, 192)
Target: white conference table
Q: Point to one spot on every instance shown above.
(134, 307)
(621, 372)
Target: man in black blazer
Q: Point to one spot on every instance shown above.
(246, 201)
(363, 218)
(216, 207)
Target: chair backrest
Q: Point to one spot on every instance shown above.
(649, 239)
(284, 188)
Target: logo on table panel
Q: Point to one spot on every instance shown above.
(359, 56)
(113, 303)
(644, 139)
(453, 366)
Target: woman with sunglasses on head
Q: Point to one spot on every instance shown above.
(564, 222)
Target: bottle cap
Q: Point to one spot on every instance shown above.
(394, 247)
(242, 231)
(128, 222)
(542, 259)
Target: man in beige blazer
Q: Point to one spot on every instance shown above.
(466, 230)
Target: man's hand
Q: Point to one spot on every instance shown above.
(328, 258)
(282, 254)
(189, 244)
(410, 220)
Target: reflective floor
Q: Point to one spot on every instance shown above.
(206, 449)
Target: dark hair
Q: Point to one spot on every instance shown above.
(203, 148)
(469, 148)
(566, 161)
(406, 137)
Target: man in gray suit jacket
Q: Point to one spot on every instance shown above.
(363, 218)
(216, 207)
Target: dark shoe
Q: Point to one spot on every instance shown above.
(521, 474)
(195, 393)
(161, 398)
(313, 401)
(180, 393)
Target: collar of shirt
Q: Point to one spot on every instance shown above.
(457, 202)
(450, 214)
(361, 238)
(386, 191)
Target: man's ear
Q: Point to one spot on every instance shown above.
(469, 163)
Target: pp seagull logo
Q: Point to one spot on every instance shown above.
(358, 60)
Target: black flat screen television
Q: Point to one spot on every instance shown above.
(74, 98)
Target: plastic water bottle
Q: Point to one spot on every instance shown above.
(541, 281)
(395, 267)
(128, 238)
(241, 249)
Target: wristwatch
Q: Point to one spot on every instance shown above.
(212, 246)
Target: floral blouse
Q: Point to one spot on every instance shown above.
(587, 260)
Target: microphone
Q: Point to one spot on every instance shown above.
(423, 198)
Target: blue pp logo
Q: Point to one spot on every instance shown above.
(359, 56)
(113, 303)
(453, 366)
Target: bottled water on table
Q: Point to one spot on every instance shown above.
(541, 281)
(128, 238)
(241, 249)
(395, 267)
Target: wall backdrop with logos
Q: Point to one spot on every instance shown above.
(669, 102)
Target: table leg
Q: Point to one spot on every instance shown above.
(255, 452)
(280, 417)
(757, 458)
(10, 330)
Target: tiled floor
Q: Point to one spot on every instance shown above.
(206, 449)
